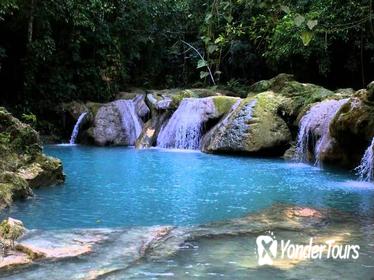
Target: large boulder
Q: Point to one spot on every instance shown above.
(252, 127)
(354, 123)
(116, 123)
(314, 141)
(23, 166)
(107, 126)
(298, 95)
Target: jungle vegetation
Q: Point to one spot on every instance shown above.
(61, 50)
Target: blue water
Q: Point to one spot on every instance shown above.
(116, 187)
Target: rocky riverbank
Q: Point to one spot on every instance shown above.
(268, 122)
(23, 166)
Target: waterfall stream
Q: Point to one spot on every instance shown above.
(314, 129)
(185, 127)
(131, 123)
(75, 132)
(366, 168)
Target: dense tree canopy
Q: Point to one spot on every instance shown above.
(60, 50)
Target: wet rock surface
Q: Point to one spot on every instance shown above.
(23, 166)
(253, 127)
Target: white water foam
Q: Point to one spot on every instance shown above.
(131, 123)
(185, 127)
(75, 132)
(366, 169)
(314, 129)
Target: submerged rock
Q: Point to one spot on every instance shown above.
(160, 251)
(253, 126)
(22, 164)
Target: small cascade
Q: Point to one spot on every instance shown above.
(314, 131)
(185, 128)
(131, 123)
(75, 132)
(366, 168)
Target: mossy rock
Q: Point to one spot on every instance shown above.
(178, 96)
(12, 187)
(275, 84)
(11, 230)
(223, 104)
(354, 123)
(20, 150)
(253, 128)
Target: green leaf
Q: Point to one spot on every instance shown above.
(219, 39)
(299, 20)
(306, 37)
(311, 24)
(202, 63)
(203, 74)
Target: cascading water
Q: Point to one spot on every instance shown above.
(131, 123)
(314, 129)
(75, 132)
(366, 168)
(185, 127)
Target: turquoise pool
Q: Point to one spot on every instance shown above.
(124, 187)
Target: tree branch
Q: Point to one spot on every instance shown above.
(207, 66)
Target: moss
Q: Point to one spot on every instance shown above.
(297, 95)
(11, 230)
(274, 84)
(20, 150)
(269, 101)
(178, 96)
(12, 187)
(223, 104)
(6, 194)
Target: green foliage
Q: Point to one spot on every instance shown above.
(58, 51)
(4, 138)
(29, 119)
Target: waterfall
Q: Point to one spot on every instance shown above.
(314, 129)
(131, 123)
(366, 168)
(75, 132)
(185, 127)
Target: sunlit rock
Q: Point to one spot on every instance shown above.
(252, 127)
(22, 163)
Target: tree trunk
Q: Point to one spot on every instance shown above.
(31, 22)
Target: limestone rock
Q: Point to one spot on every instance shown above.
(354, 123)
(107, 127)
(22, 164)
(252, 127)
